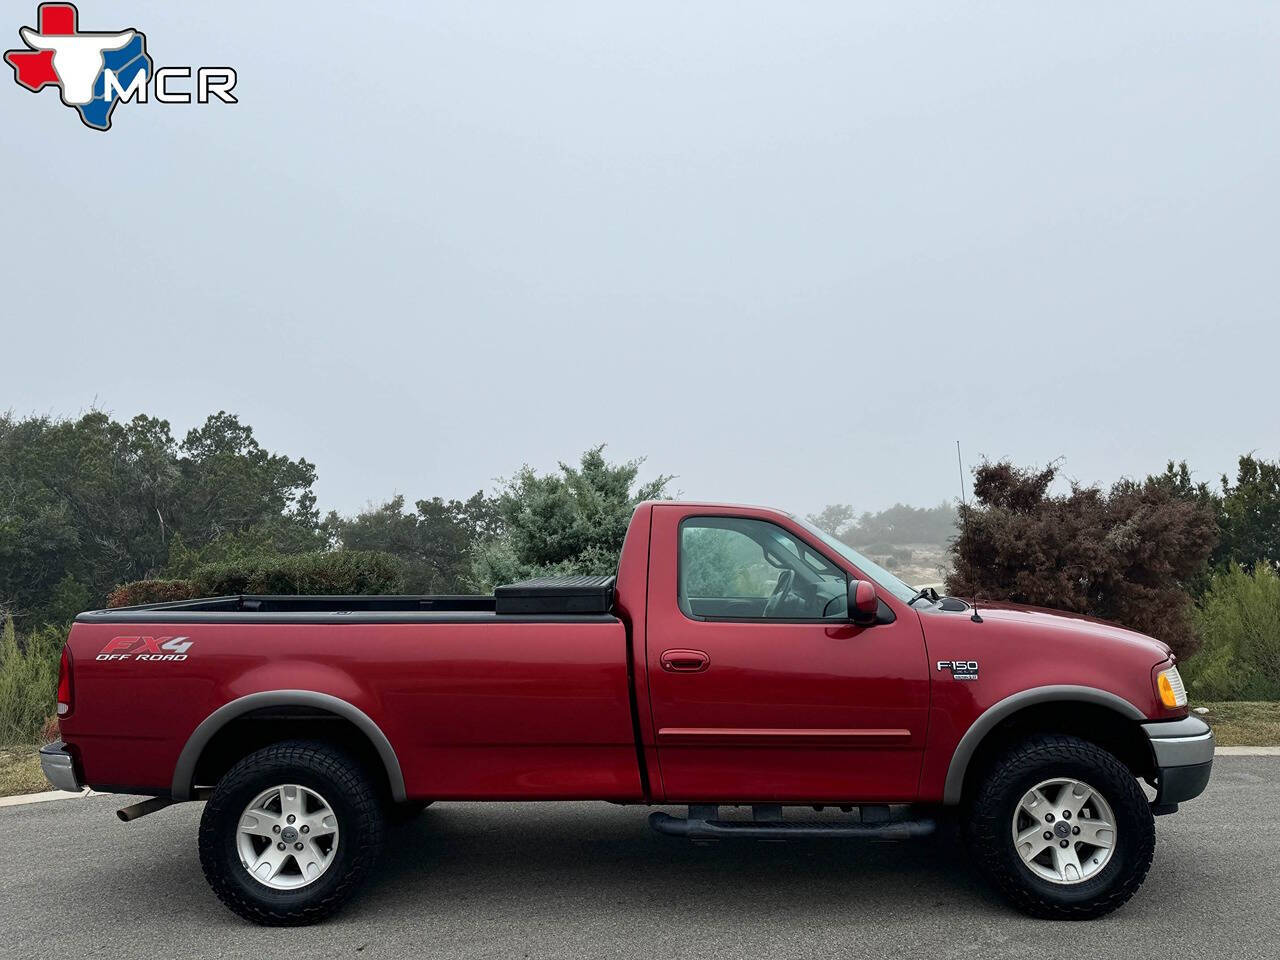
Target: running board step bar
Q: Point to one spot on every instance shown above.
(767, 824)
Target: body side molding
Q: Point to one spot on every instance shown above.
(1063, 693)
(184, 772)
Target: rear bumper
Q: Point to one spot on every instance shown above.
(59, 767)
(1183, 751)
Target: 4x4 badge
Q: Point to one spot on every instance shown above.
(146, 648)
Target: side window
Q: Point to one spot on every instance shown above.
(749, 569)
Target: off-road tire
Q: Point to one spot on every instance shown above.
(318, 766)
(990, 816)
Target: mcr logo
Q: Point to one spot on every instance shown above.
(145, 648)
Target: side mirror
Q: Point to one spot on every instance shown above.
(863, 602)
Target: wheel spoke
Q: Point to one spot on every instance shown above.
(310, 863)
(1066, 862)
(1097, 833)
(322, 822)
(1036, 804)
(269, 865)
(259, 823)
(312, 860)
(291, 800)
(1031, 842)
(1074, 795)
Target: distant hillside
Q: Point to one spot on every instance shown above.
(900, 524)
(910, 541)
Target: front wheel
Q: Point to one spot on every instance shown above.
(1062, 828)
(290, 833)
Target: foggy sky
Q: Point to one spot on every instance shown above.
(789, 251)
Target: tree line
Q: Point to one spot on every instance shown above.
(91, 504)
(94, 510)
(897, 526)
(1191, 564)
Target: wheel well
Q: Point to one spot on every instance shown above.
(256, 729)
(1107, 728)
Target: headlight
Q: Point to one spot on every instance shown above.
(1172, 692)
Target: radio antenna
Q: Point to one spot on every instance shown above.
(965, 503)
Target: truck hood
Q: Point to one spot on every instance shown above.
(1046, 622)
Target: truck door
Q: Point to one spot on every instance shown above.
(761, 689)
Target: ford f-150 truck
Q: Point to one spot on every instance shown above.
(740, 658)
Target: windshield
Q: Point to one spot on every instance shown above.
(881, 576)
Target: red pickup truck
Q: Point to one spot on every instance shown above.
(740, 658)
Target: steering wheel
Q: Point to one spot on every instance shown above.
(780, 590)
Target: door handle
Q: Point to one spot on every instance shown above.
(684, 661)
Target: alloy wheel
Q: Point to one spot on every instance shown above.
(287, 836)
(1064, 830)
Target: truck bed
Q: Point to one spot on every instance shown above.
(540, 599)
(473, 703)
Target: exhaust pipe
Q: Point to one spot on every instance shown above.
(142, 808)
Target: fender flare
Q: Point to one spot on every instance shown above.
(978, 730)
(184, 772)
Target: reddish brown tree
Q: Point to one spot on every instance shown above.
(1125, 555)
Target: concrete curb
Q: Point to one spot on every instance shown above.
(1246, 752)
(45, 797)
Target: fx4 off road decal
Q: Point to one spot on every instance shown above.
(960, 669)
(145, 648)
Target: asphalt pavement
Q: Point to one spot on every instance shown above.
(590, 880)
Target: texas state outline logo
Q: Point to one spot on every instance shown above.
(97, 70)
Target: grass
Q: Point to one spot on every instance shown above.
(20, 771)
(1243, 723)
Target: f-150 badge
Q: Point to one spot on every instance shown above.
(960, 669)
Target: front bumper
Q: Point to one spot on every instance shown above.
(1183, 751)
(59, 767)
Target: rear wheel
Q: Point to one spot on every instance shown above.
(290, 833)
(1062, 828)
